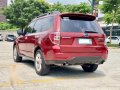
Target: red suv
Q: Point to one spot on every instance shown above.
(62, 39)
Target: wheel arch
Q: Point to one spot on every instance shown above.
(36, 48)
(14, 44)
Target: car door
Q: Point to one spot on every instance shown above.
(32, 38)
(114, 40)
(22, 44)
(26, 41)
(39, 31)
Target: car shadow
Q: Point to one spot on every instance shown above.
(72, 72)
(29, 63)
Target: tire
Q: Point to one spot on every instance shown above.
(90, 67)
(119, 44)
(16, 56)
(40, 67)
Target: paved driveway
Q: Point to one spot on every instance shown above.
(22, 76)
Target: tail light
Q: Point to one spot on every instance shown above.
(55, 38)
(102, 41)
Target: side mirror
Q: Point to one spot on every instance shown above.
(20, 32)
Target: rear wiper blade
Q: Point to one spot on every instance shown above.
(90, 32)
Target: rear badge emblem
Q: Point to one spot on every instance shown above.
(86, 34)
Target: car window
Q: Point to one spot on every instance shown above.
(38, 26)
(10, 35)
(29, 28)
(114, 38)
(47, 23)
(44, 24)
(76, 25)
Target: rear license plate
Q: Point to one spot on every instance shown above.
(84, 41)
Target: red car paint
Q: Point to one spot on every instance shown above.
(57, 45)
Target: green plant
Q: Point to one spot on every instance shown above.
(79, 8)
(112, 45)
(111, 9)
(6, 26)
(82, 8)
(20, 13)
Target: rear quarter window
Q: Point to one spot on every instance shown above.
(44, 24)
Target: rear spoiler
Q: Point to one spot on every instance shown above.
(79, 16)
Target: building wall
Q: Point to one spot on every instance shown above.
(3, 4)
(2, 18)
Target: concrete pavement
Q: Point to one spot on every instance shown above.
(22, 76)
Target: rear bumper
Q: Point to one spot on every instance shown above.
(76, 58)
(78, 61)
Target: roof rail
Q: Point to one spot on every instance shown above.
(42, 15)
(53, 12)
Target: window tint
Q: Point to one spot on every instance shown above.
(77, 25)
(29, 28)
(38, 26)
(10, 35)
(44, 24)
(114, 38)
(47, 23)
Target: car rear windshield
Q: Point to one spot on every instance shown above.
(10, 35)
(69, 24)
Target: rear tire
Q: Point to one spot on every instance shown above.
(90, 67)
(16, 56)
(40, 67)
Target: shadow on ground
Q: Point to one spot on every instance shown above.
(72, 72)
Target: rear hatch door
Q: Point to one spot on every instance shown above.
(80, 33)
